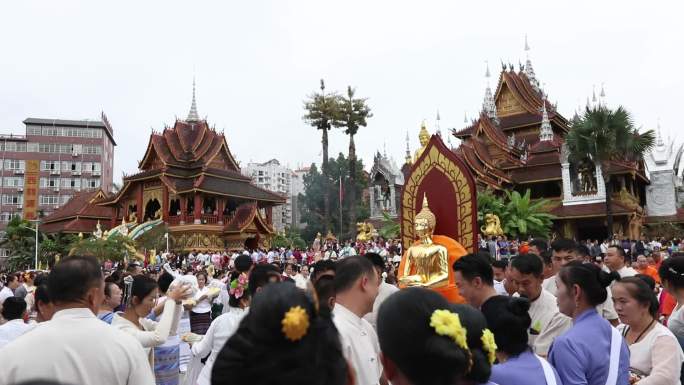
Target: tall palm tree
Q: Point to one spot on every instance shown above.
(322, 112)
(603, 135)
(353, 115)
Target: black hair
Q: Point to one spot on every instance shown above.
(243, 263)
(13, 308)
(564, 244)
(142, 287)
(620, 251)
(108, 288)
(349, 270)
(648, 279)
(325, 289)
(421, 354)
(642, 293)
(11, 277)
(72, 277)
(321, 267)
(259, 353)
(475, 265)
(583, 251)
(546, 257)
(528, 264)
(509, 320)
(261, 275)
(672, 271)
(203, 273)
(590, 278)
(541, 244)
(376, 259)
(500, 264)
(164, 281)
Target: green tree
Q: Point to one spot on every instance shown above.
(322, 112)
(390, 228)
(20, 241)
(114, 248)
(353, 112)
(603, 135)
(523, 217)
(488, 202)
(289, 238)
(153, 239)
(312, 207)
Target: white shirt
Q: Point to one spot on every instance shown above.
(359, 345)
(547, 322)
(658, 355)
(75, 348)
(5, 293)
(500, 288)
(384, 291)
(221, 329)
(676, 321)
(202, 306)
(13, 329)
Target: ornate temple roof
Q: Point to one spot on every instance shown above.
(79, 214)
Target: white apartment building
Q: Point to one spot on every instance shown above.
(274, 177)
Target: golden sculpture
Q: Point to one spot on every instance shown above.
(492, 225)
(365, 232)
(426, 263)
(424, 137)
(98, 230)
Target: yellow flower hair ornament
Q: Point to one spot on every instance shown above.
(295, 323)
(489, 345)
(447, 323)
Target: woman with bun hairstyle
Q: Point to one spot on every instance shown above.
(671, 274)
(592, 352)
(655, 355)
(282, 340)
(509, 320)
(434, 342)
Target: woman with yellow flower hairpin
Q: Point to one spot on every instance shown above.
(509, 320)
(426, 340)
(283, 340)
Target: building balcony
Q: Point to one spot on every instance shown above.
(209, 219)
(174, 220)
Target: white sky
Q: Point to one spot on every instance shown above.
(255, 61)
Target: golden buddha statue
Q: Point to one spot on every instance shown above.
(426, 263)
(424, 137)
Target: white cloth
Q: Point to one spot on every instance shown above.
(300, 281)
(13, 329)
(627, 272)
(202, 306)
(550, 284)
(359, 345)
(658, 355)
(500, 288)
(75, 348)
(5, 293)
(547, 322)
(221, 329)
(676, 321)
(384, 291)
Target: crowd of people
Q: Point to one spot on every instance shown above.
(540, 313)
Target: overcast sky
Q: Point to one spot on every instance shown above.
(255, 62)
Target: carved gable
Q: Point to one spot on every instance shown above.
(506, 103)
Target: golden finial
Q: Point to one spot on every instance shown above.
(426, 214)
(423, 131)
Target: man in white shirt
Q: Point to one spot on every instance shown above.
(547, 321)
(14, 311)
(8, 290)
(615, 261)
(356, 287)
(474, 278)
(384, 291)
(75, 346)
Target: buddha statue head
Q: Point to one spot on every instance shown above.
(424, 135)
(425, 221)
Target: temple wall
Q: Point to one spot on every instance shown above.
(660, 195)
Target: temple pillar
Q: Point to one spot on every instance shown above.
(141, 210)
(198, 208)
(220, 205)
(114, 217)
(165, 203)
(184, 209)
(269, 215)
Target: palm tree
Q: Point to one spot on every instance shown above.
(523, 217)
(353, 114)
(322, 112)
(603, 135)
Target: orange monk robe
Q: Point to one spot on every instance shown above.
(651, 272)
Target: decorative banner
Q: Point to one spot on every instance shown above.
(31, 178)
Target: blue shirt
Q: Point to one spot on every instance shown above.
(582, 355)
(524, 369)
(106, 317)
